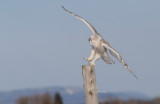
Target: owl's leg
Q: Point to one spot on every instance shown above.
(97, 56)
(91, 56)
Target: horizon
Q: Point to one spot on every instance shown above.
(71, 95)
(73, 87)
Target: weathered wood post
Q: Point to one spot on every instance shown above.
(90, 86)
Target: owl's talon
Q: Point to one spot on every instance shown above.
(92, 63)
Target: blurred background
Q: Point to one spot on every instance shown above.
(41, 46)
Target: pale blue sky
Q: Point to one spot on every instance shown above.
(41, 45)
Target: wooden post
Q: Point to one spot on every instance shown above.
(90, 86)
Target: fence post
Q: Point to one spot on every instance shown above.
(90, 86)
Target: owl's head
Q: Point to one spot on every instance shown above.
(95, 40)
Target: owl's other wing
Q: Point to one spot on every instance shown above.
(118, 56)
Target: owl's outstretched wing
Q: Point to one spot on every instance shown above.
(85, 21)
(118, 56)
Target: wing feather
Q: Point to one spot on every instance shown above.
(107, 59)
(118, 56)
(85, 21)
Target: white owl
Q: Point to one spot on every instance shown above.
(100, 46)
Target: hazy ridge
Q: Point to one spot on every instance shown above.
(70, 95)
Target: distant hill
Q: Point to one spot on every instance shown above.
(70, 95)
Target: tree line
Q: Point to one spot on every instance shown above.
(40, 99)
(57, 99)
(132, 101)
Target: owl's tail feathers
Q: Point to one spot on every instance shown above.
(107, 59)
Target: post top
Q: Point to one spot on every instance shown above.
(87, 66)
